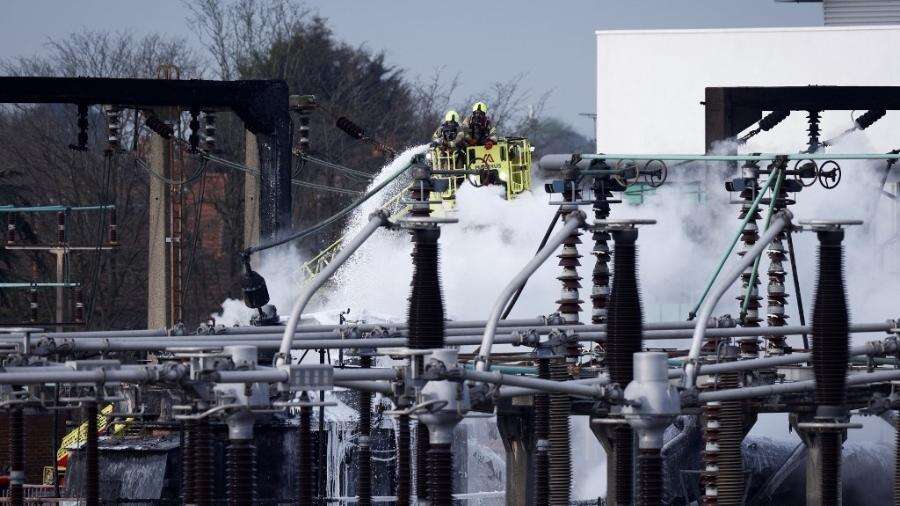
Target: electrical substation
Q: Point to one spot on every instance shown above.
(291, 409)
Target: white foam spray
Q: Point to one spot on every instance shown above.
(495, 238)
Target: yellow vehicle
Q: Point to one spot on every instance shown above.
(507, 162)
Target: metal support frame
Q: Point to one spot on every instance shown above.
(730, 110)
(261, 104)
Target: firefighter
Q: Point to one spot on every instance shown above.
(449, 134)
(478, 128)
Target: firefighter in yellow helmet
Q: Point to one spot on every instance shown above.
(478, 128)
(449, 133)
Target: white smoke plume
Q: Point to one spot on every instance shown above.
(695, 222)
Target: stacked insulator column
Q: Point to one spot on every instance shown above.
(813, 131)
(16, 457)
(306, 473)
(33, 306)
(425, 316)
(404, 468)
(113, 128)
(113, 228)
(363, 448)
(187, 463)
(775, 291)
(750, 345)
(209, 131)
(241, 463)
(569, 306)
(10, 228)
(422, 446)
(830, 326)
(61, 227)
(600, 275)
(91, 453)
(710, 455)
(194, 135)
(624, 330)
(730, 477)
(897, 461)
(650, 478)
(560, 454)
(541, 415)
(303, 131)
(202, 460)
(440, 472)
(78, 310)
(830, 330)
(82, 124)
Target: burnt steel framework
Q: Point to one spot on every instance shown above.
(729, 110)
(261, 104)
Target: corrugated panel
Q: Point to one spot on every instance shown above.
(861, 12)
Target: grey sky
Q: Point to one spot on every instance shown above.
(482, 41)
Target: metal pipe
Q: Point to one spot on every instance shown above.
(137, 374)
(795, 387)
(511, 391)
(872, 348)
(379, 387)
(265, 375)
(365, 327)
(750, 212)
(326, 331)
(376, 221)
(128, 344)
(329, 331)
(576, 220)
(780, 221)
(761, 157)
(562, 387)
(106, 333)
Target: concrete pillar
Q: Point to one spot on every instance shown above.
(516, 429)
(158, 252)
(251, 195)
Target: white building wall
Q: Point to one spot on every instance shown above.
(650, 83)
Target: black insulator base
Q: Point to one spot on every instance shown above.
(541, 414)
(364, 451)
(241, 473)
(187, 463)
(404, 469)
(560, 438)
(830, 323)
(364, 483)
(440, 473)
(203, 462)
(16, 455)
(426, 304)
(91, 452)
(624, 324)
(422, 446)
(650, 479)
(730, 481)
(541, 477)
(623, 448)
(830, 480)
(305, 470)
(897, 461)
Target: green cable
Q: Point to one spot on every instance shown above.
(753, 274)
(734, 241)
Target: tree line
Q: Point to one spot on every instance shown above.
(242, 39)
